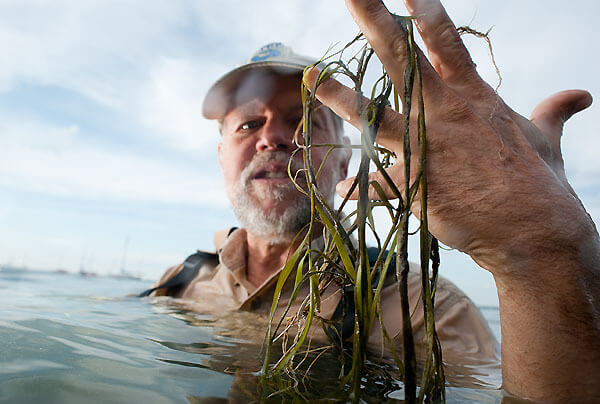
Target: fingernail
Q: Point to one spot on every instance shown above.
(310, 76)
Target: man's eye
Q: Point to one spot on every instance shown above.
(250, 125)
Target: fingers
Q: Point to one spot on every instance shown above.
(551, 114)
(447, 53)
(344, 102)
(388, 39)
(341, 99)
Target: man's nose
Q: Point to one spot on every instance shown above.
(275, 135)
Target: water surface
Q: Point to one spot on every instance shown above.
(74, 338)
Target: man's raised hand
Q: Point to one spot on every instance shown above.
(497, 191)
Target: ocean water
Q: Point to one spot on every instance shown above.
(71, 338)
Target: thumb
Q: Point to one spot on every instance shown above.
(551, 114)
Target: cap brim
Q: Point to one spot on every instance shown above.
(218, 99)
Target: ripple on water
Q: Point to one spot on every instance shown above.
(67, 338)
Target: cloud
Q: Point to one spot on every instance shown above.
(308, 26)
(59, 161)
(84, 46)
(171, 104)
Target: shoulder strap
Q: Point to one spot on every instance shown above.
(191, 266)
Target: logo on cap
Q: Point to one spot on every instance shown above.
(267, 52)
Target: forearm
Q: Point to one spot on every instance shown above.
(550, 317)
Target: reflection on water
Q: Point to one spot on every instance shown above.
(68, 338)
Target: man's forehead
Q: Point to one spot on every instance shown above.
(257, 92)
(257, 106)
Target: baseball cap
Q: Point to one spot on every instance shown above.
(272, 59)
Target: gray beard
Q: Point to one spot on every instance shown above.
(277, 227)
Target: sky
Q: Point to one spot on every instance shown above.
(105, 159)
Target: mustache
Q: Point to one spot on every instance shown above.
(261, 160)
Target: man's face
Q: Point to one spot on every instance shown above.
(254, 153)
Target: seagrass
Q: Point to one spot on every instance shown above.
(346, 263)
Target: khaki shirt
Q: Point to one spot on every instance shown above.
(463, 332)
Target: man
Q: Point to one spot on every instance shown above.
(497, 191)
(258, 108)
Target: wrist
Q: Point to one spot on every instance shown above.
(552, 237)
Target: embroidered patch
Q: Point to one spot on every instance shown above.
(268, 51)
